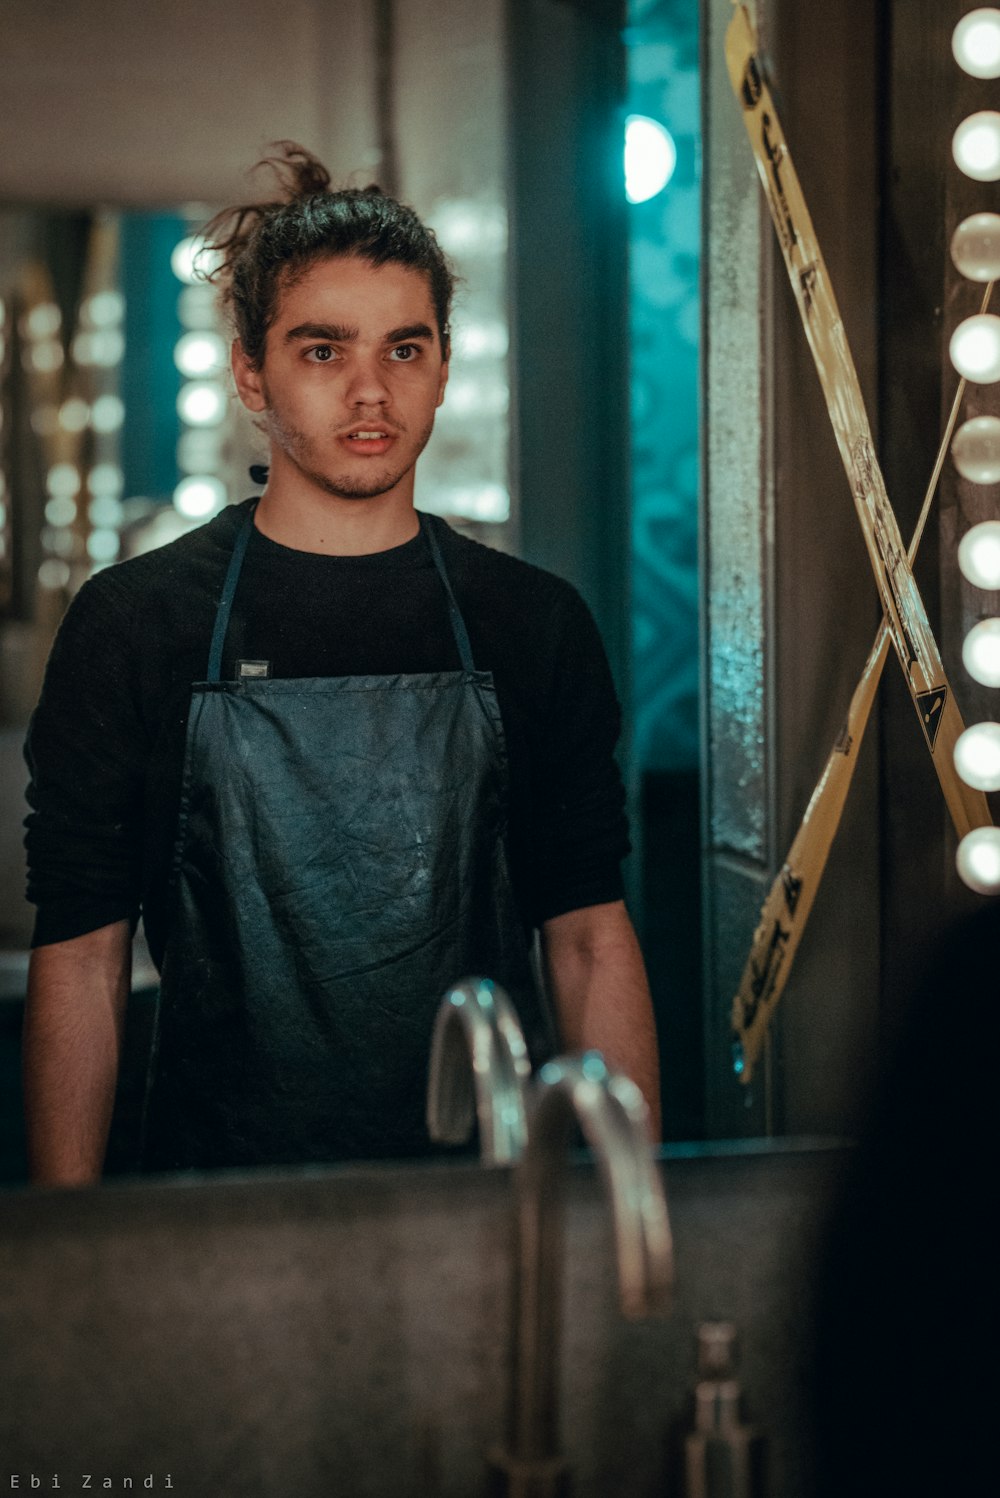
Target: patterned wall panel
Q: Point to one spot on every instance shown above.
(664, 310)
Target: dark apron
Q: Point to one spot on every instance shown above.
(340, 860)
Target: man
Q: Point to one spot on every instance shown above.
(339, 755)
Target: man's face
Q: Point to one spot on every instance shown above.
(352, 376)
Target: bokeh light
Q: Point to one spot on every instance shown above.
(979, 554)
(981, 652)
(977, 756)
(202, 403)
(976, 146)
(200, 353)
(975, 42)
(975, 348)
(978, 860)
(650, 158)
(976, 450)
(200, 496)
(975, 247)
(192, 260)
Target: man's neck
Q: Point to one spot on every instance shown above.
(324, 523)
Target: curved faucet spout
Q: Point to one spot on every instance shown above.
(479, 1069)
(613, 1116)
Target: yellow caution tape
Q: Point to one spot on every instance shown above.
(905, 624)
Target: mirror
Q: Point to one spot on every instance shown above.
(421, 103)
(519, 200)
(122, 431)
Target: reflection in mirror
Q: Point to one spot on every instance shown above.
(121, 434)
(121, 431)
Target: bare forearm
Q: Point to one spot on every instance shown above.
(77, 991)
(602, 1000)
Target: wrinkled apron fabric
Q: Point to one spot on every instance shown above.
(341, 859)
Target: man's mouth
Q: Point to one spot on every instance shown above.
(369, 440)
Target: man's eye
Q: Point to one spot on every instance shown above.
(321, 355)
(406, 352)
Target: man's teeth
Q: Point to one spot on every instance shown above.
(367, 436)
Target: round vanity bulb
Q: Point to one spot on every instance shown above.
(975, 247)
(978, 860)
(976, 146)
(979, 554)
(193, 260)
(976, 42)
(203, 353)
(203, 404)
(650, 158)
(976, 450)
(975, 348)
(981, 652)
(199, 496)
(977, 756)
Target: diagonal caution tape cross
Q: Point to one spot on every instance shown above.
(905, 624)
(785, 911)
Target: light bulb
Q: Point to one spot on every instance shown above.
(200, 353)
(107, 413)
(199, 450)
(74, 414)
(202, 404)
(977, 756)
(53, 574)
(41, 321)
(63, 479)
(976, 43)
(104, 309)
(979, 554)
(106, 478)
(976, 450)
(981, 652)
(978, 860)
(61, 510)
(193, 261)
(976, 146)
(975, 247)
(650, 158)
(105, 511)
(975, 348)
(198, 497)
(196, 307)
(103, 545)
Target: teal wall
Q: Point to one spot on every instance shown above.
(664, 232)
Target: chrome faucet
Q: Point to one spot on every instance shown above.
(479, 1068)
(613, 1116)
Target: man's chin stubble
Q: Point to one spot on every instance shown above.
(343, 486)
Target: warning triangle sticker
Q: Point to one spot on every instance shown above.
(930, 706)
(793, 888)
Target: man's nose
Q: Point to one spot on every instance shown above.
(367, 384)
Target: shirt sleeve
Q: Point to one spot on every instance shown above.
(582, 828)
(86, 753)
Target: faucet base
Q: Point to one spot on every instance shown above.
(510, 1477)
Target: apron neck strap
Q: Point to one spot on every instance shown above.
(236, 566)
(458, 628)
(228, 594)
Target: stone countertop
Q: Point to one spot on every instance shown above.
(344, 1330)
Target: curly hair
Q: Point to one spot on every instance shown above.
(263, 248)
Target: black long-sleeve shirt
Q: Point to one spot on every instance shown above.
(105, 745)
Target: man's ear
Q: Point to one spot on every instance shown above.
(442, 382)
(249, 381)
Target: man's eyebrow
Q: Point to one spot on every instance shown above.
(332, 332)
(409, 332)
